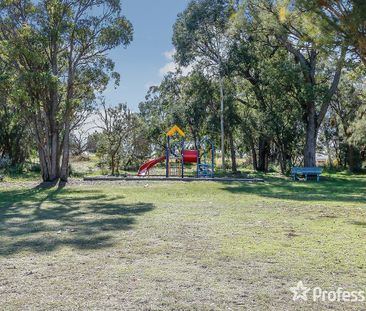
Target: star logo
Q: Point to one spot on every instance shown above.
(300, 292)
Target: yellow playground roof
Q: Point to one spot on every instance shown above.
(175, 129)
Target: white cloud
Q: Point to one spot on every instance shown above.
(169, 54)
(172, 66)
(169, 67)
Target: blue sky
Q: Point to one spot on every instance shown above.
(148, 57)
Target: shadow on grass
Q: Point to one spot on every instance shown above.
(359, 223)
(43, 219)
(335, 189)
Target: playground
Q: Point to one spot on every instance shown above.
(180, 246)
(199, 159)
(176, 156)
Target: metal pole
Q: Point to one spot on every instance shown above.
(167, 151)
(222, 123)
(183, 158)
(213, 160)
(198, 160)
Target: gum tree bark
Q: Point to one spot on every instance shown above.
(232, 153)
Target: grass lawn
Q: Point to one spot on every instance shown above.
(181, 246)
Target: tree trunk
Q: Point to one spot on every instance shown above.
(232, 153)
(311, 137)
(327, 144)
(45, 170)
(52, 130)
(53, 135)
(285, 159)
(283, 162)
(254, 154)
(112, 165)
(117, 165)
(64, 175)
(48, 152)
(263, 154)
(222, 122)
(354, 159)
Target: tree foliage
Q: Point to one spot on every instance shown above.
(122, 139)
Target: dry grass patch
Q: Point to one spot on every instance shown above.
(180, 246)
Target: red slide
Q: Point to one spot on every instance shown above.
(144, 168)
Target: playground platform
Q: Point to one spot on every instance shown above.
(162, 178)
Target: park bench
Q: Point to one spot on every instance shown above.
(306, 171)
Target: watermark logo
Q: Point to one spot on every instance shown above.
(317, 294)
(300, 292)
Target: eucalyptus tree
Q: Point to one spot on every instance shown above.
(268, 86)
(59, 50)
(246, 64)
(201, 38)
(320, 59)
